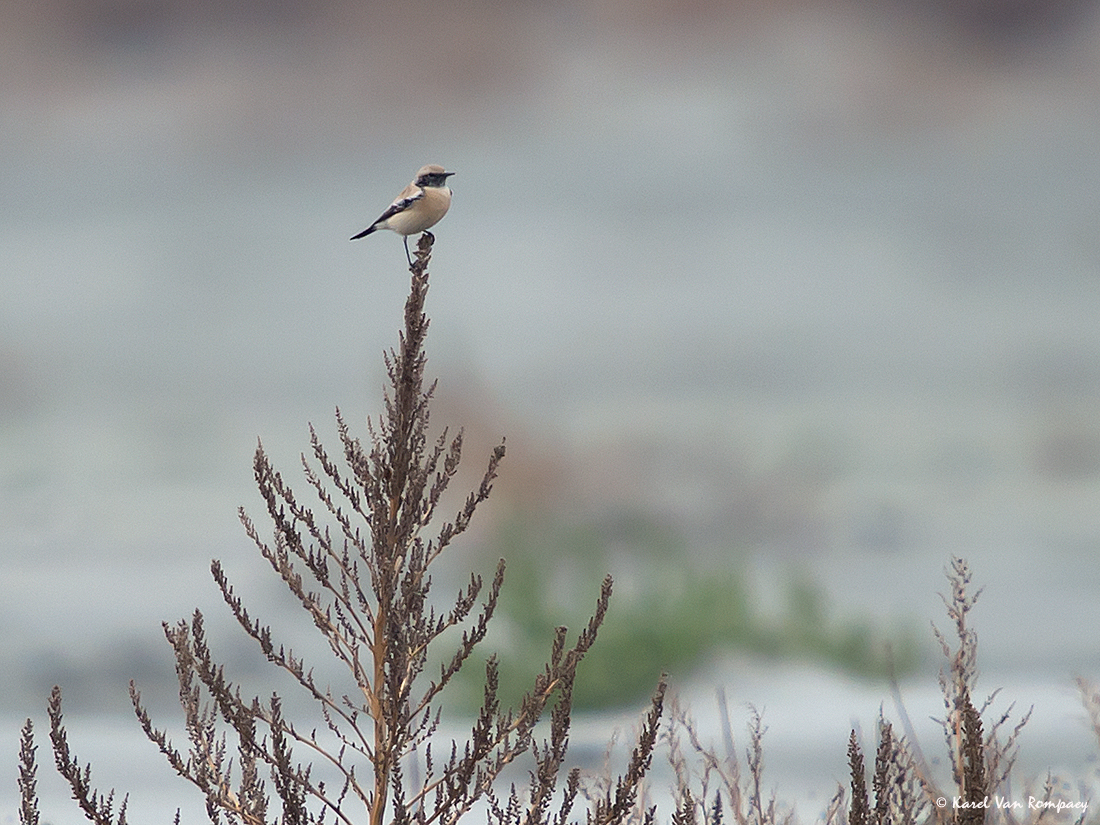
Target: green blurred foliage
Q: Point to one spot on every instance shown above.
(669, 612)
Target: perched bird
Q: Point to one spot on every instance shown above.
(420, 205)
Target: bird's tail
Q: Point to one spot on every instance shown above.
(364, 233)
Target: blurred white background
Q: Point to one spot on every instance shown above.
(819, 282)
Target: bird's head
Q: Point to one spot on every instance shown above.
(432, 175)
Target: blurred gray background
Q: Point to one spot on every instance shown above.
(818, 281)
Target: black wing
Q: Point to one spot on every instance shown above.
(399, 205)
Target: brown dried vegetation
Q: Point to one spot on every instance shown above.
(358, 563)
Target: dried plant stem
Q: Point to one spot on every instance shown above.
(358, 565)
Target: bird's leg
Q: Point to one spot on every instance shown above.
(407, 255)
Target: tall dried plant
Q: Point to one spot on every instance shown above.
(357, 561)
(899, 795)
(981, 758)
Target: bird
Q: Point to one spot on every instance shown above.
(420, 205)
